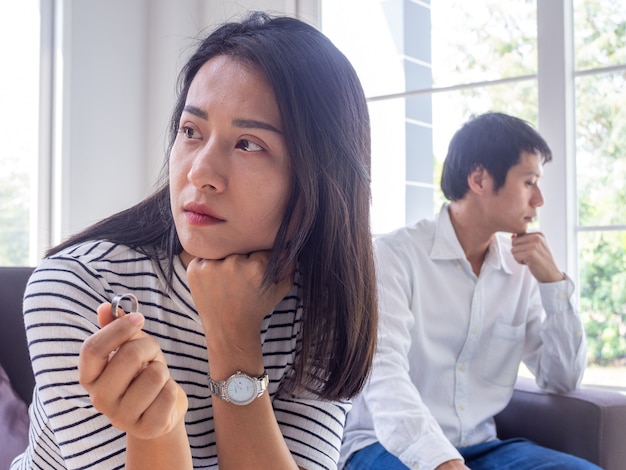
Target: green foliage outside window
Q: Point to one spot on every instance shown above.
(603, 295)
(14, 214)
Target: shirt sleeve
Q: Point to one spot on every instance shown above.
(557, 350)
(60, 313)
(312, 429)
(403, 423)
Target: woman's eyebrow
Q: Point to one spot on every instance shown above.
(243, 123)
(196, 111)
(253, 124)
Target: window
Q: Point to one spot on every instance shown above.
(19, 130)
(600, 96)
(444, 61)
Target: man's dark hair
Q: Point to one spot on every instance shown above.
(493, 141)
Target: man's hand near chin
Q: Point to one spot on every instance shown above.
(452, 465)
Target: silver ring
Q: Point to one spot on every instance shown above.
(134, 304)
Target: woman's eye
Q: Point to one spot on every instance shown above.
(189, 132)
(249, 146)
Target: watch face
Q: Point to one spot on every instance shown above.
(240, 389)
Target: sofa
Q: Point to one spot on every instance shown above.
(13, 349)
(589, 423)
(16, 375)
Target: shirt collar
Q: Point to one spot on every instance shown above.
(446, 245)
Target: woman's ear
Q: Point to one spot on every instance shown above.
(479, 180)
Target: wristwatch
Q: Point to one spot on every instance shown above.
(239, 388)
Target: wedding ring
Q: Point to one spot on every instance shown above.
(134, 304)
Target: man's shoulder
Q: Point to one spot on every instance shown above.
(412, 234)
(408, 241)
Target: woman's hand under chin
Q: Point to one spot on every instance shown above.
(232, 302)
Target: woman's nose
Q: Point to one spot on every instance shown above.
(208, 169)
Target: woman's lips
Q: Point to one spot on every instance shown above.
(198, 214)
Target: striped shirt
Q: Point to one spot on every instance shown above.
(60, 303)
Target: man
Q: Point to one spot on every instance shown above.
(463, 299)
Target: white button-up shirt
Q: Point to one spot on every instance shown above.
(451, 342)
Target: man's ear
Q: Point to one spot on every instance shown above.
(479, 180)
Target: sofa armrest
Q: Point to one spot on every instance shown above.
(588, 423)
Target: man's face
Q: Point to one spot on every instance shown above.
(514, 206)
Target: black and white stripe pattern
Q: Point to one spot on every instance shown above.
(60, 313)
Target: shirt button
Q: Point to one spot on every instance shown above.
(457, 265)
(415, 466)
(474, 330)
(462, 407)
(462, 367)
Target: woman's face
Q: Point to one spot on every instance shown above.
(229, 170)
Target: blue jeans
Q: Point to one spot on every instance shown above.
(510, 454)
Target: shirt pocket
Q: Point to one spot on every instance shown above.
(504, 354)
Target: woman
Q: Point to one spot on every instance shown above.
(253, 258)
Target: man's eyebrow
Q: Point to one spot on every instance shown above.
(253, 124)
(537, 174)
(196, 111)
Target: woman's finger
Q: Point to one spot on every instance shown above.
(110, 388)
(154, 421)
(128, 402)
(153, 403)
(105, 315)
(95, 351)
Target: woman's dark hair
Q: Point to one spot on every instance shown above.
(325, 229)
(493, 141)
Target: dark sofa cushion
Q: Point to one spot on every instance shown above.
(13, 422)
(14, 355)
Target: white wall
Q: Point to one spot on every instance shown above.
(104, 98)
(116, 68)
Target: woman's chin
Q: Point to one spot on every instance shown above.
(187, 256)
(189, 253)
